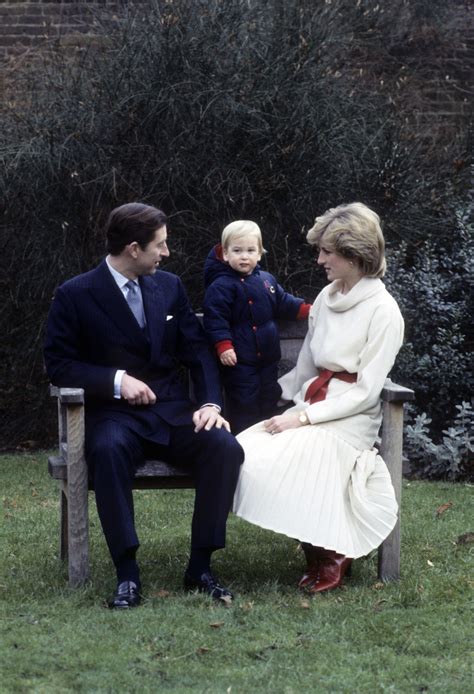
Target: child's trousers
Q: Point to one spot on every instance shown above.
(251, 394)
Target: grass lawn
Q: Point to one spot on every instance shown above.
(412, 636)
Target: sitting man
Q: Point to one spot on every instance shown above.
(121, 332)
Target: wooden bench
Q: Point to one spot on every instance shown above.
(70, 468)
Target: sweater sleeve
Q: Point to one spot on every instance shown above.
(385, 337)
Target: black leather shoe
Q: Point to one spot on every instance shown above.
(125, 596)
(207, 583)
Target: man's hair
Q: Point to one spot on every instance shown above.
(354, 232)
(241, 227)
(132, 222)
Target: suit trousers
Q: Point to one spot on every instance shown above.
(113, 451)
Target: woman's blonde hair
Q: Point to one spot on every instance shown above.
(354, 232)
(239, 228)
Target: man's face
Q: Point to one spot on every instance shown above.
(148, 259)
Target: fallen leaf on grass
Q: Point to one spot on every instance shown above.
(443, 508)
(262, 654)
(202, 650)
(430, 563)
(305, 604)
(247, 606)
(27, 444)
(378, 606)
(465, 539)
(216, 625)
(378, 585)
(10, 503)
(161, 594)
(226, 601)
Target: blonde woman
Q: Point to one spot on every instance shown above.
(312, 473)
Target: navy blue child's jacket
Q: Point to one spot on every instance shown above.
(242, 309)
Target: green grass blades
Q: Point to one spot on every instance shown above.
(409, 636)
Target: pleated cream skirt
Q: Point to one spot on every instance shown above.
(313, 486)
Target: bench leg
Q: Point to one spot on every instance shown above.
(391, 451)
(63, 521)
(77, 501)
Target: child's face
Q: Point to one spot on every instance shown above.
(243, 254)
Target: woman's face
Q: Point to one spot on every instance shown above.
(339, 268)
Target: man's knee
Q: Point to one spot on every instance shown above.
(225, 446)
(111, 444)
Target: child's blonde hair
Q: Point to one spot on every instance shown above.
(239, 228)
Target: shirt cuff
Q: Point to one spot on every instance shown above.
(118, 383)
(211, 404)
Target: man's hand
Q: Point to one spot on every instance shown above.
(228, 358)
(136, 392)
(277, 424)
(208, 417)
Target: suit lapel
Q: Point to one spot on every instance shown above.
(155, 312)
(106, 293)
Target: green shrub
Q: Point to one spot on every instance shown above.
(431, 284)
(452, 456)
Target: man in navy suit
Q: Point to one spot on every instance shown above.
(121, 332)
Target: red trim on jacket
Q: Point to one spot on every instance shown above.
(223, 346)
(303, 312)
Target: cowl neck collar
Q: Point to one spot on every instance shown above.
(365, 288)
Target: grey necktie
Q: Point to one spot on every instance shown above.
(134, 300)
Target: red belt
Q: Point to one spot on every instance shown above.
(317, 389)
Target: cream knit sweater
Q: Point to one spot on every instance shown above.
(359, 332)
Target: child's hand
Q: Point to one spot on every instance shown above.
(228, 358)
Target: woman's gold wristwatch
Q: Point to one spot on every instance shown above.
(303, 419)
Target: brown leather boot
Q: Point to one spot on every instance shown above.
(332, 568)
(311, 573)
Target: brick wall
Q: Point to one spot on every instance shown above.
(28, 24)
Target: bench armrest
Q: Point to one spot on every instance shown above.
(73, 396)
(392, 392)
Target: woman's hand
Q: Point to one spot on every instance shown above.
(281, 422)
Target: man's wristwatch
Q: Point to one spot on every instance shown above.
(303, 419)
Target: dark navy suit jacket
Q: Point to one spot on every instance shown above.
(91, 333)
